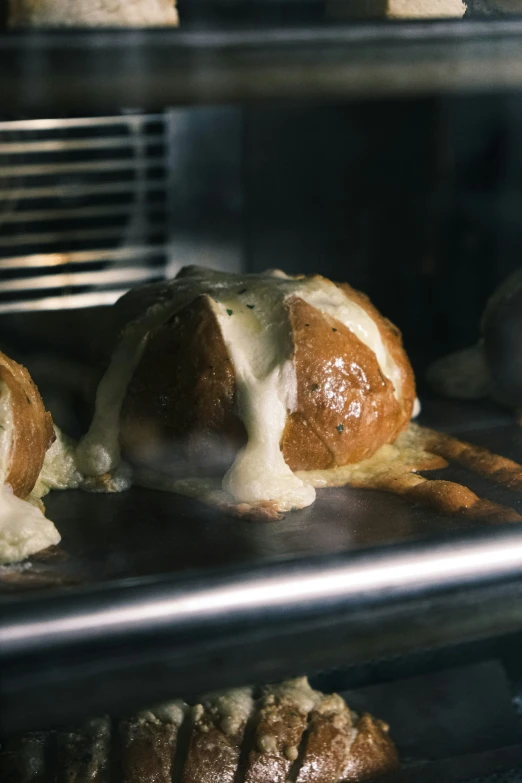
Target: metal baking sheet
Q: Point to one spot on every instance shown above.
(152, 595)
(54, 73)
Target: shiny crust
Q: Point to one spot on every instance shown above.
(346, 408)
(279, 729)
(33, 427)
(330, 737)
(183, 392)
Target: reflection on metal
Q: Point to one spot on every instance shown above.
(82, 257)
(72, 145)
(76, 190)
(107, 277)
(90, 167)
(74, 235)
(66, 302)
(78, 122)
(35, 215)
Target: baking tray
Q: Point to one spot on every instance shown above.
(152, 596)
(57, 73)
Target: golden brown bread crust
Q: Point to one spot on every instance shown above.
(279, 729)
(33, 427)
(372, 754)
(346, 408)
(184, 392)
(330, 737)
(317, 740)
(212, 747)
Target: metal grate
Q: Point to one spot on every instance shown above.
(82, 209)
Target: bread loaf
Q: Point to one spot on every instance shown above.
(424, 9)
(288, 734)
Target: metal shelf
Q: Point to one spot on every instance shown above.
(55, 73)
(157, 596)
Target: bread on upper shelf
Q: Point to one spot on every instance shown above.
(26, 428)
(92, 13)
(424, 9)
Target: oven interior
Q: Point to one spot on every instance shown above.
(414, 199)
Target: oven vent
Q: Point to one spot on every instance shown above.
(82, 209)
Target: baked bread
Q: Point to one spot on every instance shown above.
(288, 733)
(26, 428)
(424, 9)
(396, 9)
(92, 13)
(262, 375)
(26, 433)
(493, 366)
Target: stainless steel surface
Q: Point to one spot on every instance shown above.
(42, 72)
(154, 595)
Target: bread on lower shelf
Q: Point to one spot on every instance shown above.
(287, 733)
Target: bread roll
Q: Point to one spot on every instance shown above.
(262, 375)
(26, 432)
(26, 428)
(92, 13)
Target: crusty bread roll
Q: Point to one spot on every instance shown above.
(92, 13)
(27, 428)
(302, 373)
(290, 732)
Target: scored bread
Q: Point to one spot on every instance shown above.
(290, 733)
(26, 428)
(95, 13)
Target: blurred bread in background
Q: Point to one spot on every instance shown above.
(423, 9)
(92, 13)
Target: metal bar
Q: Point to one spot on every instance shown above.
(74, 236)
(65, 302)
(65, 279)
(67, 191)
(81, 257)
(143, 641)
(88, 167)
(77, 122)
(103, 210)
(160, 67)
(72, 145)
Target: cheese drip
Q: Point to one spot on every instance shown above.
(253, 316)
(24, 529)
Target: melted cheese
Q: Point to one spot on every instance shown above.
(24, 529)
(253, 317)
